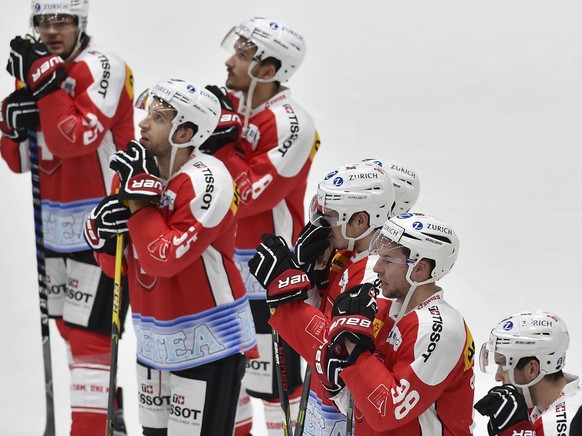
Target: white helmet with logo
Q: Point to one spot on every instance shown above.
(539, 334)
(76, 8)
(192, 103)
(406, 184)
(426, 237)
(355, 188)
(272, 39)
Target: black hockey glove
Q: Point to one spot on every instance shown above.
(505, 407)
(352, 318)
(330, 360)
(138, 174)
(106, 221)
(275, 269)
(31, 63)
(19, 114)
(229, 126)
(310, 247)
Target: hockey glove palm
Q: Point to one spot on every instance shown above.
(19, 114)
(106, 221)
(275, 269)
(229, 126)
(138, 174)
(31, 62)
(505, 407)
(352, 318)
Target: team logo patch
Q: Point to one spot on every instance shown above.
(379, 398)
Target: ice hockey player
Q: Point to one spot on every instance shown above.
(190, 311)
(77, 104)
(352, 202)
(527, 353)
(407, 365)
(270, 161)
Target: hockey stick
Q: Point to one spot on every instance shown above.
(282, 380)
(303, 402)
(350, 415)
(115, 333)
(49, 429)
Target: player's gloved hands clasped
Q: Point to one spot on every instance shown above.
(19, 114)
(275, 269)
(229, 126)
(31, 63)
(138, 173)
(311, 245)
(352, 318)
(106, 221)
(505, 407)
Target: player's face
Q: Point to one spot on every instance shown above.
(155, 129)
(391, 268)
(59, 32)
(237, 66)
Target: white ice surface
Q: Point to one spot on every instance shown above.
(483, 99)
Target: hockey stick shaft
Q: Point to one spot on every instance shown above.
(350, 415)
(42, 288)
(115, 333)
(282, 380)
(303, 402)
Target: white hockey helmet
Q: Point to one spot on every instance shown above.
(354, 188)
(272, 39)
(426, 237)
(405, 181)
(76, 8)
(192, 103)
(539, 334)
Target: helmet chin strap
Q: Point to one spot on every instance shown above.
(248, 104)
(525, 388)
(413, 286)
(352, 241)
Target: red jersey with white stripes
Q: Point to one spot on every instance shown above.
(419, 381)
(556, 420)
(81, 125)
(187, 297)
(271, 165)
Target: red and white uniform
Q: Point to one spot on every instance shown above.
(271, 164)
(81, 125)
(419, 381)
(557, 418)
(188, 301)
(348, 269)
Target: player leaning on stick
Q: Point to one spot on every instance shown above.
(527, 353)
(78, 99)
(190, 311)
(270, 162)
(407, 360)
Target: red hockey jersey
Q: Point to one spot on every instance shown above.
(188, 300)
(270, 166)
(557, 418)
(418, 382)
(81, 125)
